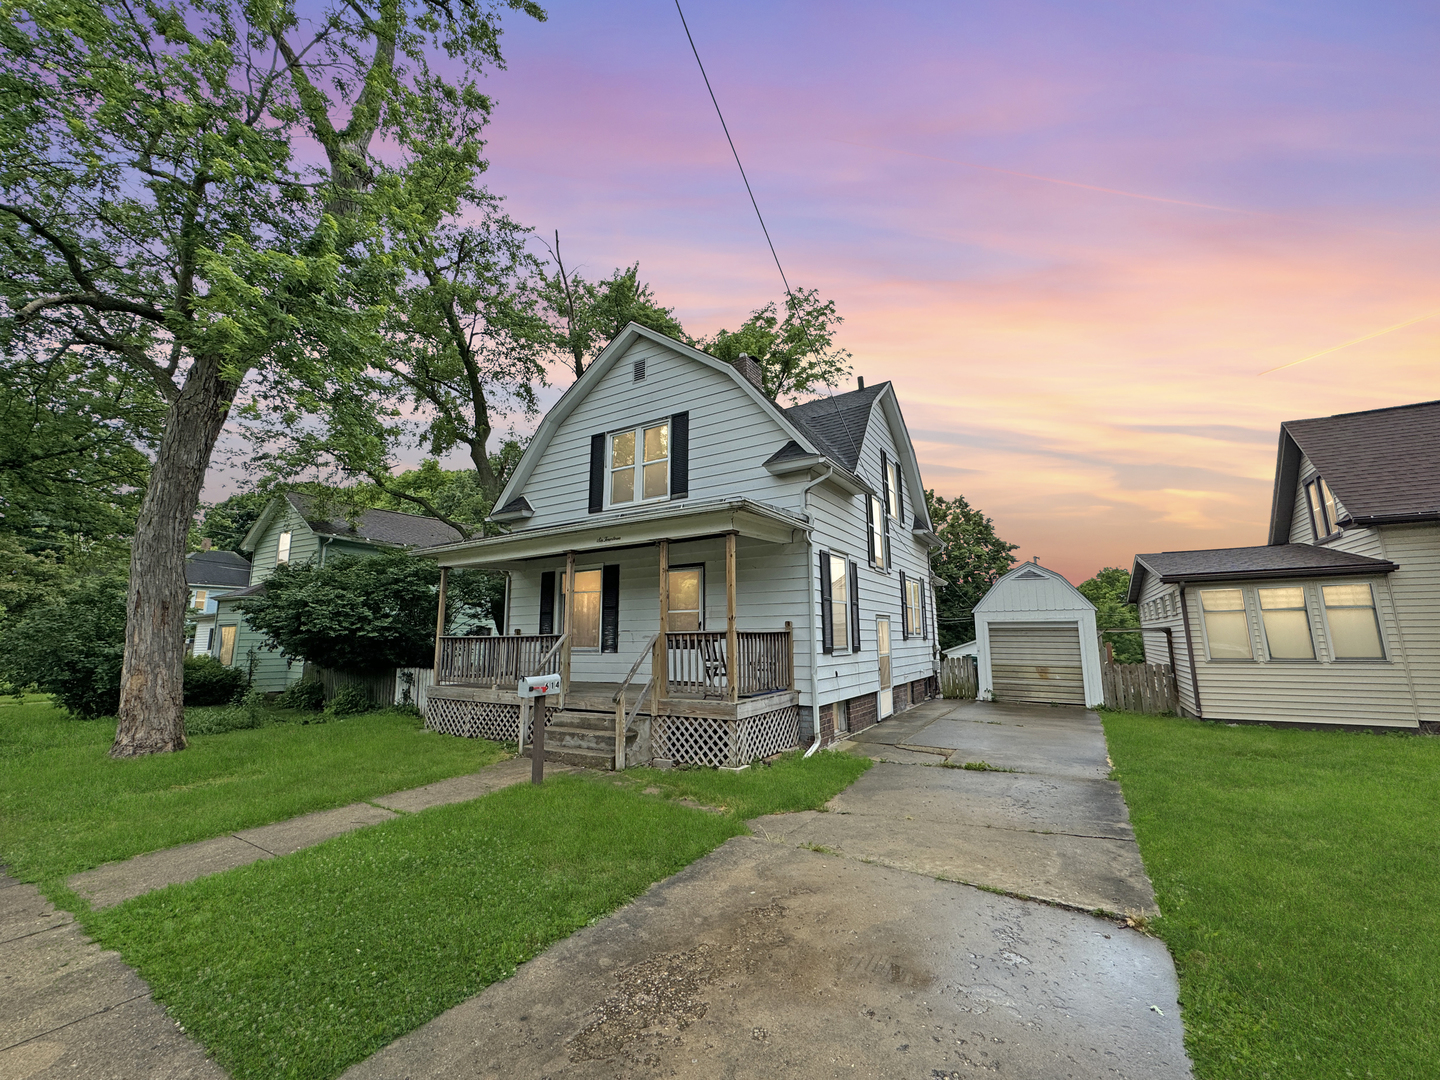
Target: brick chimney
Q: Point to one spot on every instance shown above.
(750, 368)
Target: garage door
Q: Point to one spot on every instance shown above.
(1037, 663)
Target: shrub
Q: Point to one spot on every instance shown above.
(308, 695)
(251, 711)
(71, 648)
(348, 701)
(209, 682)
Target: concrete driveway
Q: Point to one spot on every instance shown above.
(772, 959)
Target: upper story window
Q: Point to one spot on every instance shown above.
(1227, 628)
(1353, 623)
(640, 464)
(1324, 518)
(892, 489)
(282, 550)
(199, 602)
(879, 536)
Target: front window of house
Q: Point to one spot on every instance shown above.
(1227, 630)
(282, 552)
(640, 464)
(585, 623)
(1286, 620)
(687, 598)
(1354, 624)
(839, 604)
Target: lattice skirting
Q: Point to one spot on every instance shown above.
(730, 743)
(477, 719)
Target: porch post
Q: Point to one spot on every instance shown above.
(440, 620)
(567, 626)
(732, 639)
(790, 646)
(660, 670)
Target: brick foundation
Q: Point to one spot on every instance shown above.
(863, 712)
(827, 724)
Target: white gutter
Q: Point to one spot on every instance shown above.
(810, 576)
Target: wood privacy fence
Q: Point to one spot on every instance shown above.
(959, 677)
(391, 686)
(1139, 688)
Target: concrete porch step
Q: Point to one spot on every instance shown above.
(564, 737)
(585, 759)
(586, 719)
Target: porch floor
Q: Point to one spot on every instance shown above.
(600, 697)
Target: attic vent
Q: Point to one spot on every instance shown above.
(639, 370)
(1029, 575)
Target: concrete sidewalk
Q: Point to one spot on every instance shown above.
(114, 883)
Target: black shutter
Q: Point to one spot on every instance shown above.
(547, 602)
(899, 494)
(870, 527)
(680, 455)
(885, 539)
(855, 607)
(924, 615)
(610, 608)
(904, 611)
(885, 480)
(597, 473)
(827, 616)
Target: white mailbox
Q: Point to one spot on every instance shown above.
(539, 685)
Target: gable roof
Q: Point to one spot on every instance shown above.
(384, 528)
(1382, 464)
(837, 423)
(1235, 564)
(1033, 571)
(219, 568)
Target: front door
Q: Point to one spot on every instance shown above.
(887, 693)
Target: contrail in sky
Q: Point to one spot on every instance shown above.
(1353, 341)
(1062, 183)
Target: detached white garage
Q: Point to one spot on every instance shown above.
(1037, 640)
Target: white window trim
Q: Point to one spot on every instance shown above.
(1250, 621)
(282, 548)
(842, 648)
(1384, 657)
(880, 529)
(1309, 622)
(638, 430)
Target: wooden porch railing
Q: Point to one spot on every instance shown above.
(697, 664)
(489, 661)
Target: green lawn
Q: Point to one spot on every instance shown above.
(65, 806)
(1298, 873)
(303, 965)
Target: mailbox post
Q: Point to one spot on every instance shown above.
(536, 687)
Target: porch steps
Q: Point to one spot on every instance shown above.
(586, 739)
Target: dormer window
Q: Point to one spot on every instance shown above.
(282, 551)
(642, 476)
(1323, 513)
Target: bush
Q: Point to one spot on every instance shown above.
(308, 695)
(251, 711)
(71, 648)
(209, 682)
(348, 701)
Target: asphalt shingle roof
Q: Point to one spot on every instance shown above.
(216, 568)
(837, 424)
(380, 526)
(1384, 463)
(1269, 560)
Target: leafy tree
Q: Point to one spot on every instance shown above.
(589, 314)
(227, 522)
(357, 613)
(71, 647)
(797, 354)
(155, 218)
(1106, 590)
(973, 559)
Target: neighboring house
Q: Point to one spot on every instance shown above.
(1337, 619)
(1037, 640)
(764, 570)
(968, 648)
(211, 575)
(287, 532)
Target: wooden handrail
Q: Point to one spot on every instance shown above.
(623, 722)
(640, 659)
(540, 667)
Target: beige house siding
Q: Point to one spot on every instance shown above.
(1321, 691)
(1415, 589)
(1160, 607)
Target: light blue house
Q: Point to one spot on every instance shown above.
(211, 575)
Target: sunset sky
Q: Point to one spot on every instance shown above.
(1075, 236)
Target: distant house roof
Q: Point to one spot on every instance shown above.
(221, 569)
(837, 423)
(240, 594)
(1268, 561)
(389, 527)
(1383, 465)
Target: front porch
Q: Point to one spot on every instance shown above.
(707, 696)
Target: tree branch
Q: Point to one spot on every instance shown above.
(70, 253)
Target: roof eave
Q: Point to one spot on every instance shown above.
(1377, 567)
(1282, 500)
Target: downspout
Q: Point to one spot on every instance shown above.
(810, 574)
(324, 546)
(1190, 651)
(504, 627)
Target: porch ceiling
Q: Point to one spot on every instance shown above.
(690, 521)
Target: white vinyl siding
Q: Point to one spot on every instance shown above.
(1037, 663)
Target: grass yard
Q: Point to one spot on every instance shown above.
(65, 806)
(1298, 873)
(303, 965)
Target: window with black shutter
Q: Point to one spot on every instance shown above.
(597, 473)
(680, 455)
(904, 609)
(547, 602)
(827, 624)
(610, 608)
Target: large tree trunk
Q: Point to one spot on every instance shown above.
(152, 692)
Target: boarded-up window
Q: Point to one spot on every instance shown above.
(200, 597)
(227, 645)
(1227, 630)
(1354, 625)
(1287, 624)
